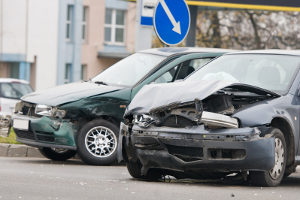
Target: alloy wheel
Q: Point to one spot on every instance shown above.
(100, 141)
(276, 171)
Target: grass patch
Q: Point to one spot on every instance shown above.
(11, 139)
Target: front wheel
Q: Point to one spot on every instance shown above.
(97, 142)
(135, 170)
(57, 154)
(274, 176)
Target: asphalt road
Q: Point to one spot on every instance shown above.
(31, 178)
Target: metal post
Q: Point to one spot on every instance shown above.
(191, 37)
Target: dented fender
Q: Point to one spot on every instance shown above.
(112, 104)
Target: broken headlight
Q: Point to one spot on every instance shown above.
(43, 110)
(143, 120)
(49, 111)
(59, 113)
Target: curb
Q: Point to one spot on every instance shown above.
(19, 150)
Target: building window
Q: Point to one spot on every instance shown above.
(68, 73)
(69, 22)
(83, 75)
(14, 70)
(114, 26)
(84, 24)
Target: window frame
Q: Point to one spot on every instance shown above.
(114, 26)
(69, 23)
(83, 72)
(68, 68)
(84, 24)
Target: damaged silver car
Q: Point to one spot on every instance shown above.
(237, 114)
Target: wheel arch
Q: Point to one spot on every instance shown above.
(109, 118)
(288, 132)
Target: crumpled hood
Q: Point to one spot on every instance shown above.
(68, 93)
(154, 96)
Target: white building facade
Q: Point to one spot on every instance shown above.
(53, 42)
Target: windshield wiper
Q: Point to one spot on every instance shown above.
(100, 83)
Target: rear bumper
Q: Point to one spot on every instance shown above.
(197, 149)
(46, 132)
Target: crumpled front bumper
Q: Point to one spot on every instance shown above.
(47, 132)
(196, 149)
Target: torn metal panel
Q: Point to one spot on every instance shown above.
(218, 120)
(155, 97)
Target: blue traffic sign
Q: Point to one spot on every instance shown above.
(171, 21)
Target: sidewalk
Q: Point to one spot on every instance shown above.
(19, 150)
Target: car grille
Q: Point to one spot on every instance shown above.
(45, 136)
(24, 134)
(187, 154)
(40, 135)
(176, 121)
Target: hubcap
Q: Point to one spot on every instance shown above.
(101, 141)
(279, 159)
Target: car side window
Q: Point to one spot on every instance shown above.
(168, 76)
(182, 70)
(189, 66)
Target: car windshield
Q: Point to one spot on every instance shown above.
(271, 72)
(14, 90)
(130, 70)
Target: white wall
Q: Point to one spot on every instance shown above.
(43, 40)
(30, 28)
(13, 27)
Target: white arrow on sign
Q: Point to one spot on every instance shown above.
(176, 25)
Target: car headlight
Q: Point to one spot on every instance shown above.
(49, 111)
(44, 110)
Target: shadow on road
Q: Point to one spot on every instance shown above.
(43, 161)
(293, 181)
(67, 162)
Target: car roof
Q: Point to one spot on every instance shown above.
(11, 80)
(269, 51)
(168, 51)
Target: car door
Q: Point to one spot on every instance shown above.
(177, 69)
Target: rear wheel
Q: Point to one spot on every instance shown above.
(57, 154)
(97, 142)
(274, 176)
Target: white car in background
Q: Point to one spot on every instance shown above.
(11, 90)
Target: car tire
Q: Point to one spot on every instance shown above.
(57, 154)
(97, 142)
(274, 176)
(135, 170)
(289, 170)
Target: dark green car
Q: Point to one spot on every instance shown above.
(85, 117)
